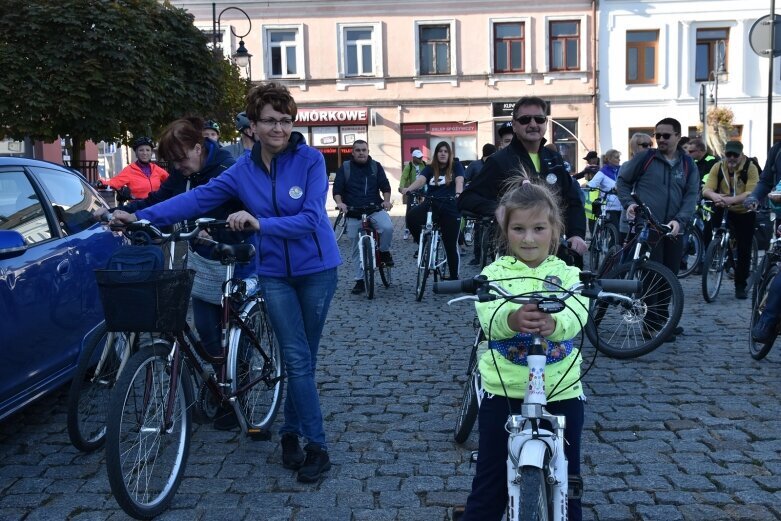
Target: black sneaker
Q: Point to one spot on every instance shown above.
(740, 292)
(292, 454)
(225, 419)
(474, 262)
(386, 258)
(315, 464)
(358, 288)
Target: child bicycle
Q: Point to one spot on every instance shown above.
(149, 422)
(538, 483)
(369, 249)
(628, 329)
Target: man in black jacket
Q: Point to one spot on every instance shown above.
(526, 153)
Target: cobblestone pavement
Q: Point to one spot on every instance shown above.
(688, 432)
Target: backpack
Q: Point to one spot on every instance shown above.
(649, 157)
(743, 175)
(346, 168)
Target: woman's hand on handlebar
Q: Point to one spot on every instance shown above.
(122, 217)
(528, 319)
(243, 221)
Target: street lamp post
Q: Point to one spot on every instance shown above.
(241, 57)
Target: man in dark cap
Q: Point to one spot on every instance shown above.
(592, 166)
(505, 135)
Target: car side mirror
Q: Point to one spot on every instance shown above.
(11, 244)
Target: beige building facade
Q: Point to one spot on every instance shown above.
(403, 74)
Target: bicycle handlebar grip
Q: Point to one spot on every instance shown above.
(448, 287)
(620, 285)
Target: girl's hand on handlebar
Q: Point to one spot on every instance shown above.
(243, 221)
(528, 319)
(122, 217)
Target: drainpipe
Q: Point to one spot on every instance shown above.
(594, 58)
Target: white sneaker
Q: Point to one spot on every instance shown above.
(406, 234)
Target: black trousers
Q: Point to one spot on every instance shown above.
(741, 228)
(488, 499)
(449, 224)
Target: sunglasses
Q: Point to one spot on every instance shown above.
(666, 135)
(732, 155)
(525, 120)
(644, 145)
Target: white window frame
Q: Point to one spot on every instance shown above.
(548, 75)
(495, 77)
(299, 43)
(377, 77)
(451, 78)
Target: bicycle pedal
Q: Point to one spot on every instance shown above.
(259, 434)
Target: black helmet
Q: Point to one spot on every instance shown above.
(142, 140)
(242, 121)
(212, 125)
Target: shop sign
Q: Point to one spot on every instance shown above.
(333, 116)
(350, 134)
(325, 136)
(414, 128)
(503, 109)
(452, 128)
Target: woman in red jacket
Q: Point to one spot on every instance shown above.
(143, 176)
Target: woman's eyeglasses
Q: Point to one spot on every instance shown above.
(270, 123)
(665, 136)
(644, 145)
(525, 120)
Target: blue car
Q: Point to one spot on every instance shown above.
(50, 243)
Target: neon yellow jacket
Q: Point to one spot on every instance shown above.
(568, 325)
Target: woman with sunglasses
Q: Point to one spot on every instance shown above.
(639, 143)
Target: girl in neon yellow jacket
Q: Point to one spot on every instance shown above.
(530, 222)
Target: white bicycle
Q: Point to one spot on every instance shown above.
(538, 483)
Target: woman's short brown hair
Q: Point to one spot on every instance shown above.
(272, 94)
(179, 137)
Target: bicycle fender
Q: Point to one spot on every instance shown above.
(533, 454)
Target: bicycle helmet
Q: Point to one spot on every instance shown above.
(142, 140)
(242, 121)
(212, 125)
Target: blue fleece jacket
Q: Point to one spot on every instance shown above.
(295, 236)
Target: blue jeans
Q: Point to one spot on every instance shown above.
(297, 308)
(207, 318)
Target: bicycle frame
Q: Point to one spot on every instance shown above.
(430, 229)
(373, 238)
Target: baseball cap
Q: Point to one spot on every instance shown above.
(506, 128)
(591, 155)
(733, 146)
(417, 153)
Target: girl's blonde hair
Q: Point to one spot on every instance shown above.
(447, 171)
(524, 194)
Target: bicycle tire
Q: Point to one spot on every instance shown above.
(340, 224)
(423, 261)
(693, 254)
(385, 274)
(467, 414)
(604, 239)
(759, 350)
(485, 246)
(754, 256)
(144, 483)
(440, 262)
(713, 269)
(90, 391)
(367, 257)
(535, 500)
(262, 362)
(623, 331)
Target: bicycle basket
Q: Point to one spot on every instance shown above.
(154, 301)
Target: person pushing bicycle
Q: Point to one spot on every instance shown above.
(359, 183)
(530, 223)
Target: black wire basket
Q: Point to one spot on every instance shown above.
(149, 300)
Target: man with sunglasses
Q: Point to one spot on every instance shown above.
(729, 183)
(696, 149)
(527, 154)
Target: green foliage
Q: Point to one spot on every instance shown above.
(98, 69)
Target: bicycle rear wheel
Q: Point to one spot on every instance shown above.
(90, 390)
(423, 262)
(368, 264)
(692, 253)
(713, 269)
(486, 246)
(759, 350)
(440, 262)
(340, 224)
(255, 367)
(621, 330)
(605, 238)
(385, 274)
(145, 458)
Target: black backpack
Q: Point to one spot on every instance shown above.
(743, 175)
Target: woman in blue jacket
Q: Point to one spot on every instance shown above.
(284, 185)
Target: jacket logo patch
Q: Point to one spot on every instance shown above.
(552, 283)
(296, 192)
(551, 179)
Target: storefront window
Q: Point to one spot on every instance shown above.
(565, 137)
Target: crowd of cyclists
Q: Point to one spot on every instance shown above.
(274, 195)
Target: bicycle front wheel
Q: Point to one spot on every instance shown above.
(255, 367)
(469, 405)
(340, 224)
(423, 263)
(145, 456)
(759, 350)
(535, 496)
(90, 390)
(629, 330)
(367, 259)
(713, 269)
(605, 238)
(692, 253)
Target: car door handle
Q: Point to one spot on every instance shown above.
(63, 267)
